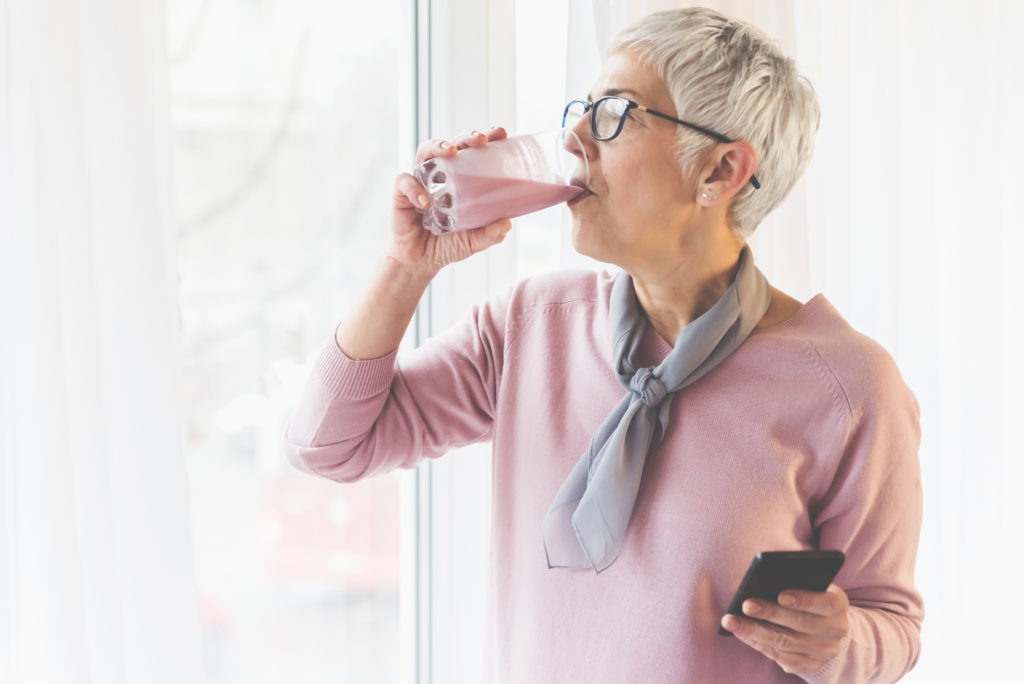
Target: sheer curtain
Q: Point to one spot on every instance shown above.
(95, 558)
(912, 231)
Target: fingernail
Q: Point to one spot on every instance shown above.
(475, 133)
(422, 199)
(730, 622)
(445, 145)
(751, 608)
(786, 599)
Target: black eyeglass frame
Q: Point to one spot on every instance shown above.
(630, 104)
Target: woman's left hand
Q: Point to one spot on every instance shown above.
(801, 632)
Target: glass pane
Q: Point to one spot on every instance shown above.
(285, 149)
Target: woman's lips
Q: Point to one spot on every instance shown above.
(586, 193)
(579, 183)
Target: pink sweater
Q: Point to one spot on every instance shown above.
(806, 437)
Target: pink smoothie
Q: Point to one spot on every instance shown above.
(479, 200)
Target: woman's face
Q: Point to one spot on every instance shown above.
(640, 207)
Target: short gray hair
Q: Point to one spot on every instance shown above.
(730, 77)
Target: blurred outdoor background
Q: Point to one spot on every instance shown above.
(285, 142)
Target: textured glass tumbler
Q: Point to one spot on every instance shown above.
(502, 179)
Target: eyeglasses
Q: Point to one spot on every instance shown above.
(609, 114)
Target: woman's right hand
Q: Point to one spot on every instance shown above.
(418, 249)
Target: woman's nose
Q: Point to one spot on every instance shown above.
(581, 142)
(573, 144)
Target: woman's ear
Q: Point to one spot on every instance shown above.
(732, 165)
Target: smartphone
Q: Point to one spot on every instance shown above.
(772, 572)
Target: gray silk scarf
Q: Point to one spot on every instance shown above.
(587, 521)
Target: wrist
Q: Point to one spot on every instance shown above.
(402, 275)
(382, 314)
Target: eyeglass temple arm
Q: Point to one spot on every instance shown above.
(699, 129)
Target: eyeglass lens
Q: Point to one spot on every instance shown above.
(607, 116)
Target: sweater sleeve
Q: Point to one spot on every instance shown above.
(359, 418)
(872, 512)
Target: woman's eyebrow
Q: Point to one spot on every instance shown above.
(615, 91)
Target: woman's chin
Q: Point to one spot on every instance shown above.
(584, 244)
(579, 241)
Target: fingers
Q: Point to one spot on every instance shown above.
(471, 139)
(827, 626)
(434, 148)
(802, 634)
(829, 602)
(795, 653)
(462, 244)
(767, 637)
(496, 133)
(485, 237)
(790, 662)
(443, 148)
(409, 193)
(478, 139)
(822, 614)
(481, 238)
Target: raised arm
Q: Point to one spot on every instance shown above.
(361, 412)
(381, 316)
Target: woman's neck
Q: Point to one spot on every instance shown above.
(674, 294)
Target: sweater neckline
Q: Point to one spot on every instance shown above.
(659, 347)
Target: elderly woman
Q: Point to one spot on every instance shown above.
(653, 430)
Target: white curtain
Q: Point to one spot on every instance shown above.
(95, 560)
(913, 231)
(908, 220)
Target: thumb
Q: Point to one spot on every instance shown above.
(489, 235)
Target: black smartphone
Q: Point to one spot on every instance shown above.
(772, 572)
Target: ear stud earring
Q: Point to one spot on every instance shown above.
(708, 195)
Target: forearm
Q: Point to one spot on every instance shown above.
(356, 418)
(881, 647)
(376, 325)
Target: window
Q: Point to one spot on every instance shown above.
(287, 133)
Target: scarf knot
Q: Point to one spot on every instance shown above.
(647, 385)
